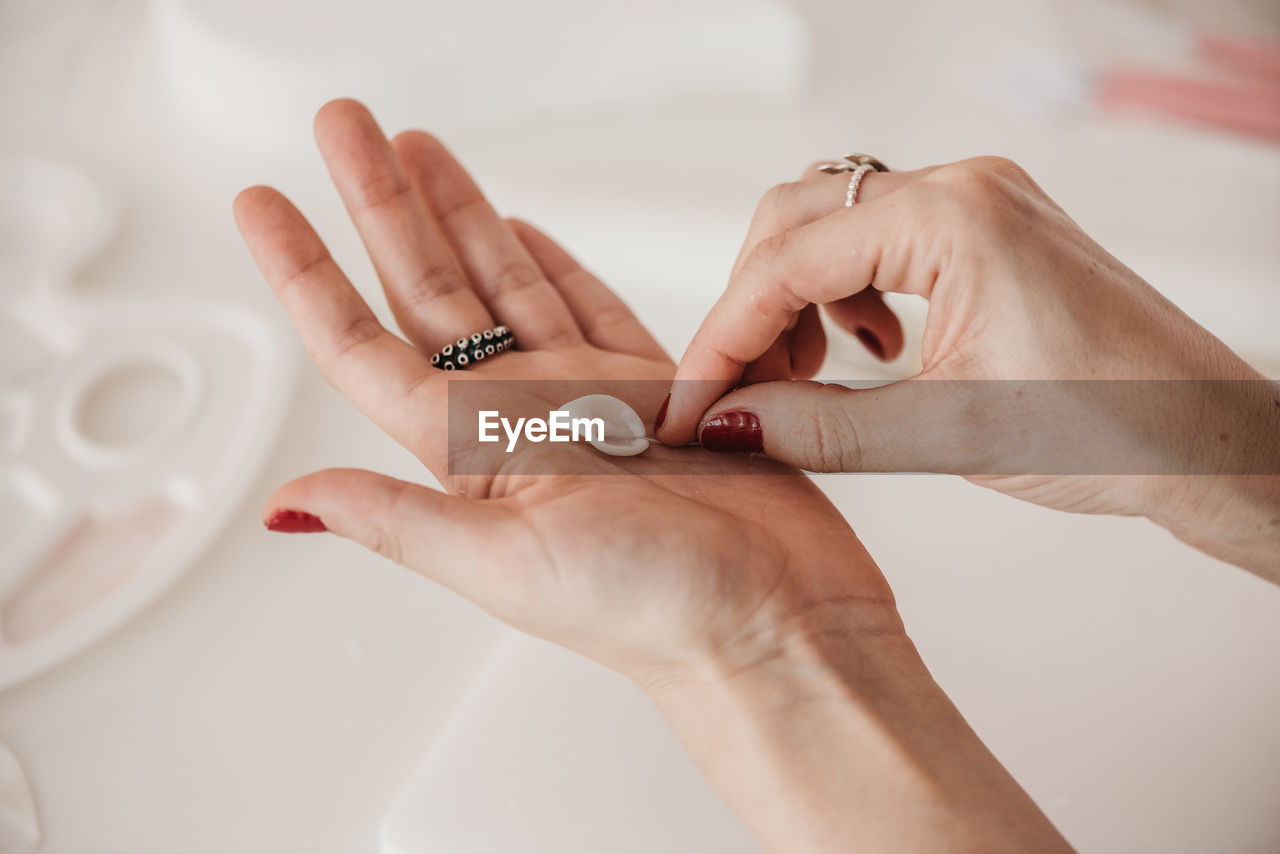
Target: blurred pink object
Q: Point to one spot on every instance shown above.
(1249, 108)
(1247, 102)
(1252, 57)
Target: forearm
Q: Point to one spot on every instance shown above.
(843, 742)
(1235, 515)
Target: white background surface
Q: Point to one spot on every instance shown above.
(278, 697)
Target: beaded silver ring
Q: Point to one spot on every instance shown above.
(859, 165)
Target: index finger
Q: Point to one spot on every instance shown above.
(377, 371)
(834, 257)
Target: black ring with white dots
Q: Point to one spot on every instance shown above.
(479, 346)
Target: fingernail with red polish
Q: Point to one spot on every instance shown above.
(733, 432)
(662, 414)
(294, 522)
(871, 341)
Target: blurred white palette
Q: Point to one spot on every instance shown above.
(254, 73)
(128, 430)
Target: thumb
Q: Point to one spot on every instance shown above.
(831, 427)
(431, 532)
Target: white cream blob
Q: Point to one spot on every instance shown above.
(624, 434)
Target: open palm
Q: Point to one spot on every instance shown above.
(637, 571)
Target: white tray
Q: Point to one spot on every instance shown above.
(129, 429)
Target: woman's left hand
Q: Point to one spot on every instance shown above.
(640, 572)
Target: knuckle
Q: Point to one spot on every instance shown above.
(989, 192)
(982, 174)
(386, 543)
(305, 270)
(772, 198)
(383, 538)
(357, 332)
(828, 437)
(779, 197)
(437, 281)
(777, 266)
(981, 177)
(779, 208)
(460, 204)
(380, 190)
(1000, 166)
(968, 179)
(516, 276)
(771, 251)
(611, 316)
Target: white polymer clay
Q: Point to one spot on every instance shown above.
(624, 434)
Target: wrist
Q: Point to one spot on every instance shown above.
(828, 655)
(769, 723)
(811, 639)
(839, 739)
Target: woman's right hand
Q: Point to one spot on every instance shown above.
(1017, 293)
